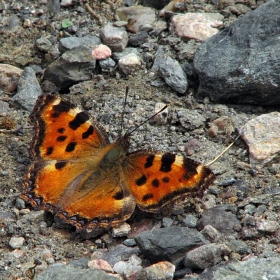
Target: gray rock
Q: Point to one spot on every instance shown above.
(171, 71)
(16, 242)
(267, 226)
(206, 256)
(250, 233)
(138, 39)
(223, 221)
(256, 268)
(118, 55)
(44, 43)
(70, 43)
(239, 247)
(169, 243)
(115, 38)
(72, 67)
(107, 64)
(28, 89)
(7, 217)
(60, 271)
(120, 253)
(129, 269)
(130, 242)
(4, 108)
(80, 263)
(190, 221)
(211, 233)
(240, 64)
(167, 222)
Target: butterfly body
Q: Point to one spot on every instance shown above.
(93, 184)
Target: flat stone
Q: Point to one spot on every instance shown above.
(60, 271)
(9, 77)
(198, 26)
(254, 268)
(169, 243)
(261, 134)
(206, 255)
(69, 43)
(28, 89)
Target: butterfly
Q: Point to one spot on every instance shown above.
(88, 182)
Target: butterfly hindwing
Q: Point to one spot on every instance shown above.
(159, 178)
(103, 201)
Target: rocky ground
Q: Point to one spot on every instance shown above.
(240, 210)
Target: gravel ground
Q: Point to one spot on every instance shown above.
(105, 102)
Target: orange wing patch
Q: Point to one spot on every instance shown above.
(164, 178)
(94, 185)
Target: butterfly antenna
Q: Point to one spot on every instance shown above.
(124, 104)
(227, 148)
(128, 133)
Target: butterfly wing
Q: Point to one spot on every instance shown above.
(62, 131)
(102, 202)
(158, 179)
(65, 146)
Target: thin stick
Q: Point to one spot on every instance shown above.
(93, 13)
(218, 156)
(124, 105)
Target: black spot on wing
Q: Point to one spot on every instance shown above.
(190, 167)
(61, 138)
(62, 107)
(155, 183)
(60, 164)
(149, 161)
(49, 151)
(119, 195)
(71, 147)
(141, 180)
(88, 132)
(79, 119)
(166, 162)
(61, 130)
(165, 179)
(147, 196)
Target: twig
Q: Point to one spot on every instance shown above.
(93, 13)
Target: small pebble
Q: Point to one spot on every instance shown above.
(16, 242)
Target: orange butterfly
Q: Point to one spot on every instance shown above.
(93, 184)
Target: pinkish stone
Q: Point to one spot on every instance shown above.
(198, 26)
(100, 264)
(101, 52)
(9, 76)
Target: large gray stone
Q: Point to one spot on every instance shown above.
(257, 269)
(241, 64)
(169, 244)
